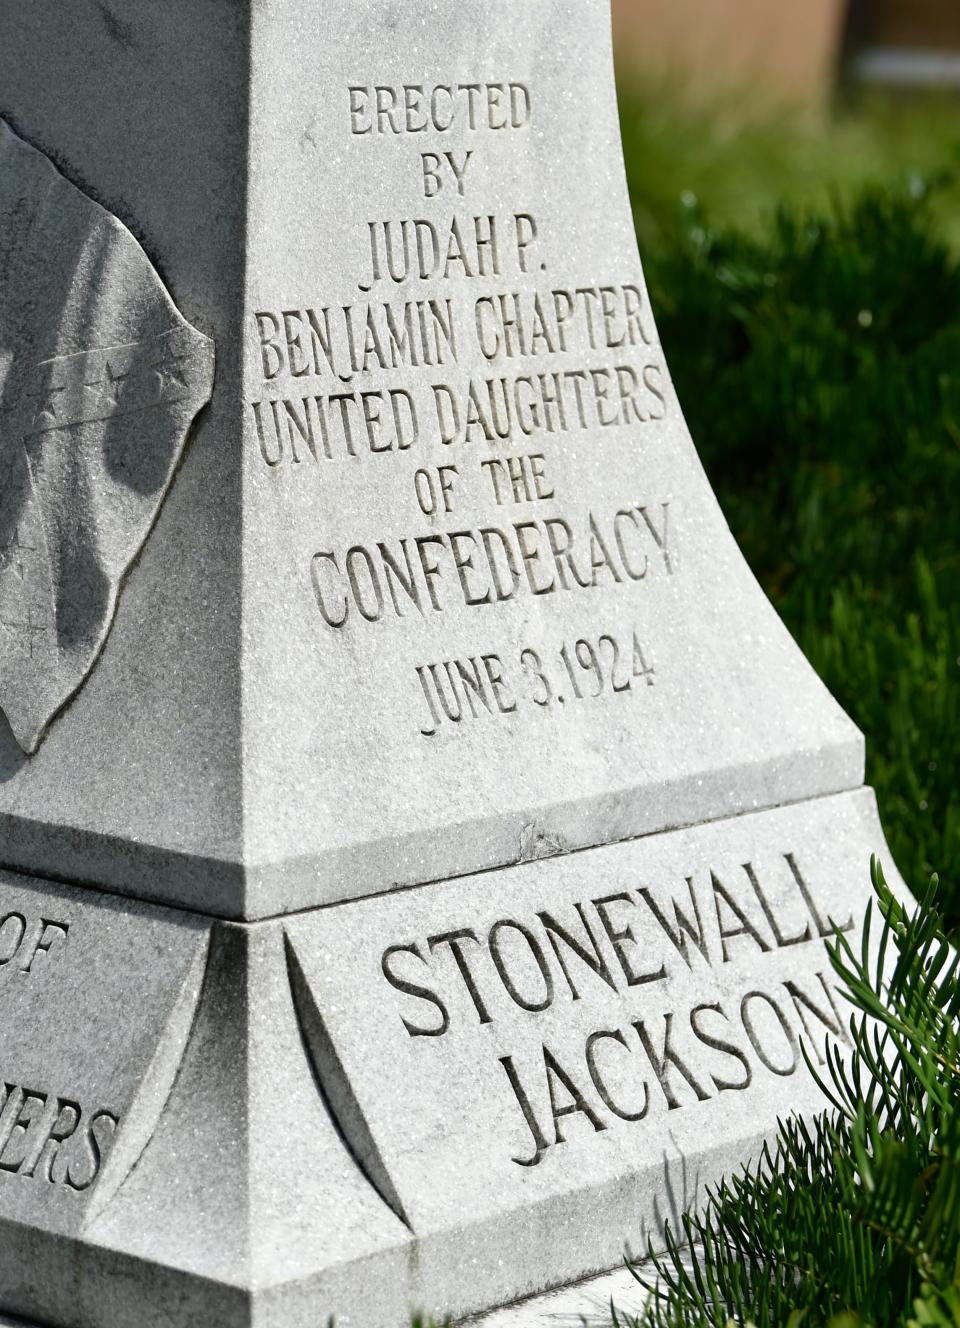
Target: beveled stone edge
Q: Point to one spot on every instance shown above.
(237, 891)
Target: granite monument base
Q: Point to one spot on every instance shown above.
(445, 1098)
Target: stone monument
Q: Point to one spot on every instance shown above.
(418, 829)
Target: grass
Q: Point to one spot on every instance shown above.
(816, 349)
(742, 160)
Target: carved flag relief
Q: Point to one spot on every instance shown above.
(100, 380)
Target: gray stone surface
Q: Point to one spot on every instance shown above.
(98, 999)
(253, 163)
(585, 1305)
(339, 1124)
(559, 1055)
(100, 378)
(441, 599)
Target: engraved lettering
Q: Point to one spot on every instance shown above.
(414, 989)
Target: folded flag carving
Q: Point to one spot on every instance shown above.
(100, 381)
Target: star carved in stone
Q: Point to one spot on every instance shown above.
(171, 373)
(109, 387)
(45, 414)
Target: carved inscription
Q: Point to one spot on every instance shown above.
(630, 942)
(46, 1136)
(338, 346)
(490, 565)
(416, 108)
(51, 1139)
(465, 360)
(29, 945)
(456, 690)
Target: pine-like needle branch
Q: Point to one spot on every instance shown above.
(852, 1220)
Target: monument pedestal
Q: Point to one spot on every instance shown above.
(450, 1097)
(419, 832)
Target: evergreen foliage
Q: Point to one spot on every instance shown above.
(853, 1220)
